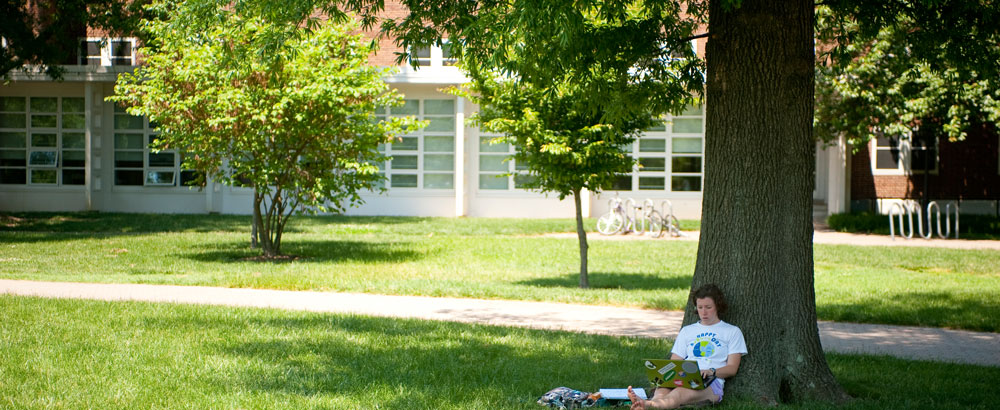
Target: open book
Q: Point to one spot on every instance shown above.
(622, 394)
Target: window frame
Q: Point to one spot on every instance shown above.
(148, 133)
(55, 165)
(670, 136)
(904, 164)
(421, 153)
(106, 56)
(435, 55)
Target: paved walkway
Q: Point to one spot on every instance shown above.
(823, 236)
(902, 341)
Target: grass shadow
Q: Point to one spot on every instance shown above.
(606, 280)
(311, 251)
(932, 309)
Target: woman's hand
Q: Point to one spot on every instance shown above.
(707, 374)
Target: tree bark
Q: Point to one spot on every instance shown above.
(582, 235)
(756, 237)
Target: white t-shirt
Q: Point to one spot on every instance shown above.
(711, 345)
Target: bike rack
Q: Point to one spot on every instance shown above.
(910, 208)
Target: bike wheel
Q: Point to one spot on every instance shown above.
(655, 224)
(610, 224)
(674, 226)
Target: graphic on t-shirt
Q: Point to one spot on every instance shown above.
(704, 345)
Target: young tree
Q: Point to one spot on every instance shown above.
(535, 82)
(286, 107)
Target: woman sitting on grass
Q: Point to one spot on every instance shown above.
(717, 346)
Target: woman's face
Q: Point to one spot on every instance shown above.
(706, 310)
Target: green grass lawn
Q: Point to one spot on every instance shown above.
(70, 354)
(483, 258)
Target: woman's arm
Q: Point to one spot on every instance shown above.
(732, 366)
(674, 356)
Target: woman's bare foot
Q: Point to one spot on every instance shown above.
(637, 403)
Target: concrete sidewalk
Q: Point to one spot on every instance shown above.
(955, 346)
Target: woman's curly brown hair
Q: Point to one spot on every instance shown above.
(710, 290)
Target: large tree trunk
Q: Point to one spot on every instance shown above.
(756, 237)
(581, 234)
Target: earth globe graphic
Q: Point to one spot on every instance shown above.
(703, 349)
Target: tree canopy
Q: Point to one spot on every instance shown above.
(44, 34)
(287, 109)
(893, 67)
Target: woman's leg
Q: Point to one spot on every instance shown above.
(673, 398)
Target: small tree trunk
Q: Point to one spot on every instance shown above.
(582, 235)
(264, 227)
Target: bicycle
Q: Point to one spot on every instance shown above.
(651, 221)
(614, 221)
(670, 221)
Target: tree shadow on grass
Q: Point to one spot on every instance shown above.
(421, 364)
(605, 280)
(934, 309)
(311, 251)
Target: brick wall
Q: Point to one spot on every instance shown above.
(967, 170)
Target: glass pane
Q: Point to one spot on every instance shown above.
(652, 145)
(652, 164)
(887, 142)
(42, 158)
(74, 159)
(686, 164)
(406, 144)
(686, 183)
(73, 177)
(91, 48)
(439, 107)
(128, 177)
(439, 181)
(493, 181)
(439, 144)
(128, 122)
(404, 181)
(404, 162)
(651, 183)
(12, 140)
(73, 104)
(520, 166)
(43, 176)
(687, 125)
(74, 121)
(13, 158)
(129, 141)
(444, 124)
(494, 163)
(44, 104)
(162, 159)
(422, 52)
(522, 180)
(43, 140)
(189, 177)
(13, 176)
(121, 61)
(121, 48)
(409, 107)
(43, 121)
(439, 162)
(160, 178)
(919, 156)
(659, 127)
(13, 120)
(887, 159)
(74, 140)
(687, 145)
(12, 104)
(622, 183)
(692, 110)
(485, 146)
(128, 159)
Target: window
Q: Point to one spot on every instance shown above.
(107, 52)
(426, 158)
(898, 155)
(434, 56)
(670, 156)
(138, 165)
(497, 168)
(42, 141)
